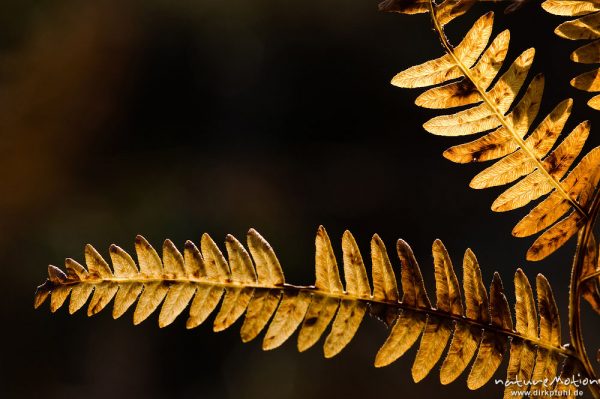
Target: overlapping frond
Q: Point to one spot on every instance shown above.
(502, 109)
(477, 325)
(585, 27)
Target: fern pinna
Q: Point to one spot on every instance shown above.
(585, 27)
(472, 68)
(253, 283)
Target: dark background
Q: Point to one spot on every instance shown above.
(170, 119)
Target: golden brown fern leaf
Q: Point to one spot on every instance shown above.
(480, 325)
(468, 76)
(585, 27)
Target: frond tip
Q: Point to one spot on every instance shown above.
(478, 325)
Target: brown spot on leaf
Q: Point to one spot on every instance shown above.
(311, 321)
(465, 88)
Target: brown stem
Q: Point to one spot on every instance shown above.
(575, 294)
(295, 289)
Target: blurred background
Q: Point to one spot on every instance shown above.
(170, 119)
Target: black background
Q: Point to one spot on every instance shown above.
(170, 119)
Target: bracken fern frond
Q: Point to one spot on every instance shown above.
(477, 326)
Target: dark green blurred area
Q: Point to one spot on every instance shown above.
(170, 119)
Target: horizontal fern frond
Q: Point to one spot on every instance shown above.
(585, 27)
(468, 76)
(478, 325)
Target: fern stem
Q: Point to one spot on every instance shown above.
(499, 115)
(575, 294)
(370, 301)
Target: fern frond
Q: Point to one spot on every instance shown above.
(585, 27)
(468, 76)
(477, 326)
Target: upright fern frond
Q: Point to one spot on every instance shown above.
(585, 27)
(467, 76)
(477, 326)
(590, 277)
